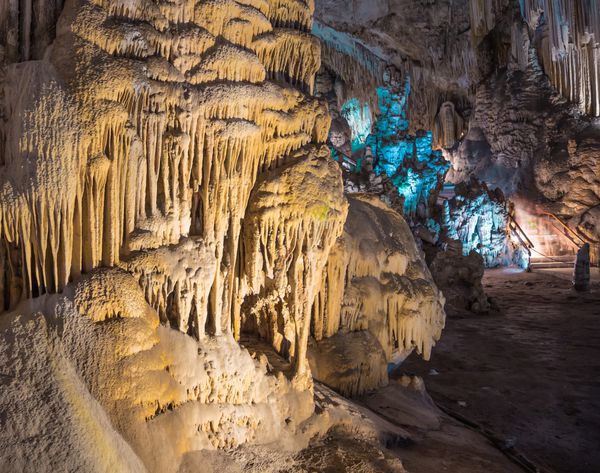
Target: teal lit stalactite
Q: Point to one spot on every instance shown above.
(475, 216)
(358, 117)
(408, 160)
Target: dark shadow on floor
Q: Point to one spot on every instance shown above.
(532, 375)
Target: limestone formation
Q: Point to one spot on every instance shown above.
(295, 216)
(448, 126)
(164, 393)
(478, 218)
(459, 277)
(429, 42)
(375, 282)
(210, 207)
(173, 147)
(521, 76)
(569, 47)
(165, 193)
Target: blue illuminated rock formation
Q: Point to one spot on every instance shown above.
(358, 117)
(410, 162)
(478, 218)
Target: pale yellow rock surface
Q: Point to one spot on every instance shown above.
(165, 187)
(375, 281)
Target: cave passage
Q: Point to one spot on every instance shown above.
(528, 373)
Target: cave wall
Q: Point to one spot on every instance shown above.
(567, 37)
(508, 89)
(27, 28)
(169, 146)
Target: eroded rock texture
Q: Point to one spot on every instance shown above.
(478, 218)
(569, 46)
(296, 214)
(164, 188)
(426, 41)
(106, 371)
(459, 277)
(377, 300)
(149, 135)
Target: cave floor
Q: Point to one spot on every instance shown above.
(530, 374)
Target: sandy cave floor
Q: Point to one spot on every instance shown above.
(530, 375)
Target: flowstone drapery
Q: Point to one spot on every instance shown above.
(134, 144)
(150, 132)
(375, 283)
(165, 188)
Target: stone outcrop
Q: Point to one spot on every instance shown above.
(459, 277)
(376, 282)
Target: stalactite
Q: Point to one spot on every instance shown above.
(373, 282)
(158, 159)
(295, 14)
(150, 379)
(163, 174)
(327, 310)
(425, 99)
(520, 45)
(238, 22)
(483, 17)
(222, 63)
(569, 49)
(295, 216)
(176, 281)
(293, 53)
(27, 28)
(359, 68)
(449, 127)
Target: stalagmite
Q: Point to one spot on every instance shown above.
(449, 125)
